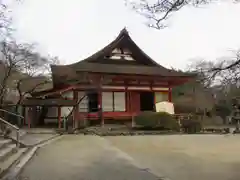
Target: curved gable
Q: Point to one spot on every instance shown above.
(122, 50)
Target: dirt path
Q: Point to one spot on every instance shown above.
(82, 158)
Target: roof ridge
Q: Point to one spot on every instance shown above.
(124, 31)
(147, 60)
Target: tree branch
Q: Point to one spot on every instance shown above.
(25, 70)
(158, 11)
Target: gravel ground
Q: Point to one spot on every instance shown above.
(82, 158)
(185, 157)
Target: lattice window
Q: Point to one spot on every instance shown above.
(113, 101)
(121, 54)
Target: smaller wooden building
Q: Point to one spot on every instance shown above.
(117, 82)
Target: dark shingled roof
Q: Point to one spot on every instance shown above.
(96, 63)
(122, 40)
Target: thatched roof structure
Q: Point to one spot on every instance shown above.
(101, 62)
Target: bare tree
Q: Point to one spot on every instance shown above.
(228, 69)
(158, 11)
(5, 18)
(23, 71)
(225, 71)
(35, 78)
(202, 69)
(221, 77)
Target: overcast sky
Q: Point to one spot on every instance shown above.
(75, 29)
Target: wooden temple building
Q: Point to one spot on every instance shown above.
(116, 83)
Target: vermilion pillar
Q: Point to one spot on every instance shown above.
(131, 107)
(100, 110)
(126, 99)
(59, 117)
(170, 95)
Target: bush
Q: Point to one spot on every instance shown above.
(167, 121)
(147, 119)
(153, 120)
(191, 126)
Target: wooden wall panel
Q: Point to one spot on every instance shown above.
(135, 101)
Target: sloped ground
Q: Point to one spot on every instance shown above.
(178, 157)
(82, 158)
(185, 157)
(33, 139)
(33, 136)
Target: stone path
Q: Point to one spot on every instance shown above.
(185, 157)
(34, 136)
(177, 157)
(34, 139)
(83, 158)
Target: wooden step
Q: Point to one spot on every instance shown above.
(7, 151)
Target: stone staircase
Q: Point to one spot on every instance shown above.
(9, 154)
(15, 143)
(11, 149)
(12, 156)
